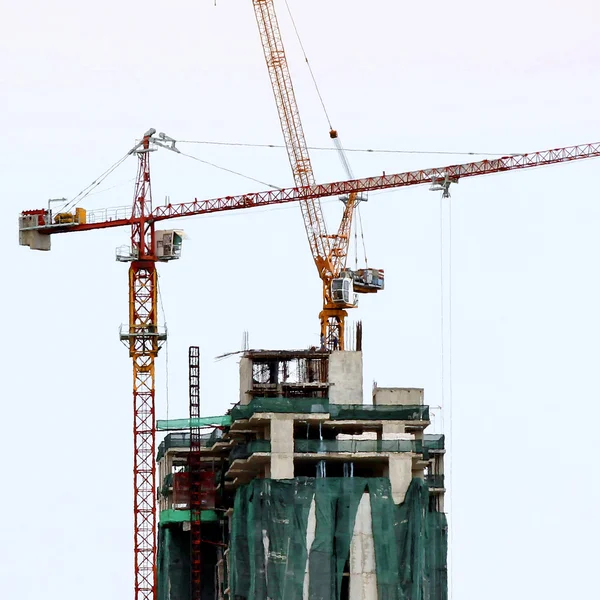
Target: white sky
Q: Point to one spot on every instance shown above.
(79, 82)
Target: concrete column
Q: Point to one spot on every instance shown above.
(245, 380)
(363, 578)
(400, 474)
(345, 378)
(311, 530)
(282, 447)
(388, 427)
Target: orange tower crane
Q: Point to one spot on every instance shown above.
(143, 335)
(329, 251)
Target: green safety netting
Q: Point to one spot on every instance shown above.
(434, 441)
(174, 515)
(365, 412)
(173, 564)
(270, 557)
(399, 412)
(177, 424)
(279, 405)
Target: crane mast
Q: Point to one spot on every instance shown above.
(329, 252)
(143, 338)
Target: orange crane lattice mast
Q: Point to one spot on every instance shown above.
(329, 251)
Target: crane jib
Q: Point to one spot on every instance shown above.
(260, 199)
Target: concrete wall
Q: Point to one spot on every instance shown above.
(398, 395)
(345, 378)
(282, 446)
(245, 380)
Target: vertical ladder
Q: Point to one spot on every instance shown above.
(195, 474)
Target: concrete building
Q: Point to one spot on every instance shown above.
(310, 494)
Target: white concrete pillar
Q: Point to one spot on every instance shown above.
(345, 378)
(400, 474)
(245, 380)
(311, 531)
(282, 446)
(363, 578)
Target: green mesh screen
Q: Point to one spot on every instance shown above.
(270, 557)
(365, 412)
(279, 405)
(413, 412)
(434, 441)
(173, 564)
(175, 424)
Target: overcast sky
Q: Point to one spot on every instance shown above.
(80, 82)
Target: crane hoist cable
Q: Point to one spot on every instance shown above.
(363, 150)
(87, 190)
(211, 164)
(333, 134)
(308, 65)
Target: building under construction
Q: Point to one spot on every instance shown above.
(302, 491)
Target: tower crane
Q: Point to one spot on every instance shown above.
(329, 251)
(143, 336)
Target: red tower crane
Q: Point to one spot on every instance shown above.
(144, 337)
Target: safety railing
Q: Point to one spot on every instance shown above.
(434, 480)
(247, 450)
(357, 446)
(182, 440)
(102, 215)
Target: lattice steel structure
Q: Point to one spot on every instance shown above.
(144, 341)
(195, 471)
